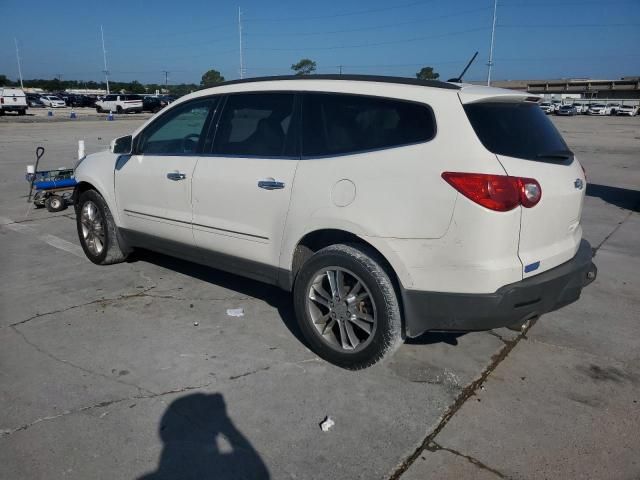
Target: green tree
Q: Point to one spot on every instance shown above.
(427, 73)
(136, 87)
(4, 81)
(211, 79)
(304, 67)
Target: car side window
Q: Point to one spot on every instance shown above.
(178, 131)
(256, 124)
(338, 124)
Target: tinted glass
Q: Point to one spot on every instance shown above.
(338, 124)
(256, 125)
(519, 130)
(178, 131)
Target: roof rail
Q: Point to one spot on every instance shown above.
(357, 78)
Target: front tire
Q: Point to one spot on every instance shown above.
(97, 231)
(347, 307)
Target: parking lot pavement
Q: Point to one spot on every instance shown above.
(136, 369)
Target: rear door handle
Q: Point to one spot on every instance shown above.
(270, 184)
(176, 176)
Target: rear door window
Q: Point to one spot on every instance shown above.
(336, 124)
(256, 124)
(517, 129)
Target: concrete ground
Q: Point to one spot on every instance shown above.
(136, 370)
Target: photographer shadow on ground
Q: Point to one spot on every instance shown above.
(201, 442)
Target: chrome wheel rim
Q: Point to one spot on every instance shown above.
(342, 310)
(92, 225)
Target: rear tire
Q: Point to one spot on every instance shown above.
(97, 231)
(119, 110)
(352, 321)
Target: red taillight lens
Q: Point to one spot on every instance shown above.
(496, 192)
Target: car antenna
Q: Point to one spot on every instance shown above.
(458, 79)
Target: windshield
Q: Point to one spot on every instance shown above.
(519, 130)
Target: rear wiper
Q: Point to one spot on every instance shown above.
(561, 154)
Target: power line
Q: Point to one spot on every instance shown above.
(373, 27)
(377, 44)
(335, 15)
(573, 25)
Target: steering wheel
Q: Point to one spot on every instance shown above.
(190, 142)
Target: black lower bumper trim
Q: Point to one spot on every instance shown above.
(507, 306)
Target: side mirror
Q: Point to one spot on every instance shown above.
(122, 145)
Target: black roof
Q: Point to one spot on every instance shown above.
(357, 78)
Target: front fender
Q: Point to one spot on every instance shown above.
(97, 170)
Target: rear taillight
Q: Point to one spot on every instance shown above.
(496, 192)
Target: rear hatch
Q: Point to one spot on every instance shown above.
(527, 144)
(14, 97)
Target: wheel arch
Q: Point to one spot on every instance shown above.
(315, 240)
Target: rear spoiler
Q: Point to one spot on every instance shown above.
(477, 94)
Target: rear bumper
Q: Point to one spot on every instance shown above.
(507, 306)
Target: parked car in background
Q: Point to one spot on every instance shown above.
(597, 109)
(123, 103)
(567, 110)
(556, 104)
(630, 110)
(547, 107)
(581, 108)
(301, 189)
(613, 108)
(154, 103)
(12, 100)
(52, 101)
(33, 100)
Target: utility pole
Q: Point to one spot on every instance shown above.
(104, 54)
(240, 38)
(493, 34)
(340, 67)
(166, 79)
(19, 66)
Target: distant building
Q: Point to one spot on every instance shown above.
(625, 88)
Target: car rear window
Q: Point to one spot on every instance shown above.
(338, 124)
(517, 129)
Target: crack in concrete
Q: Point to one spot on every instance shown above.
(125, 296)
(434, 447)
(615, 229)
(79, 367)
(460, 400)
(8, 432)
(234, 377)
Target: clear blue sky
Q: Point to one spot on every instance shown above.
(534, 38)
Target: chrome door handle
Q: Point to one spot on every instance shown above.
(270, 184)
(176, 176)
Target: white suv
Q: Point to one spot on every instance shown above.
(388, 206)
(120, 104)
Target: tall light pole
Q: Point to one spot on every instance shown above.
(166, 79)
(104, 55)
(19, 65)
(240, 38)
(493, 35)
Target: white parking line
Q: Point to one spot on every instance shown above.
(49, 239)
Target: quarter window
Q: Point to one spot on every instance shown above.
(177, 132)
(256, 124)
(340, 124)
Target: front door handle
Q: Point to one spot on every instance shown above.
(270, 184)
(176, 176)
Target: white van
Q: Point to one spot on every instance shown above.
(12, 100)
